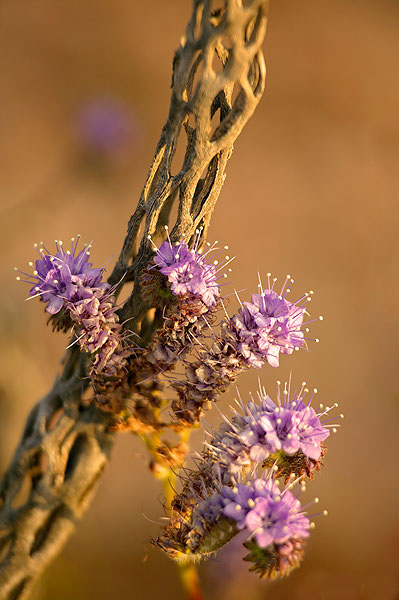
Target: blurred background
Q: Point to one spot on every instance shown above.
(311, 190)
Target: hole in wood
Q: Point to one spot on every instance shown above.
(53, 418)
(215, 122)
(19, 589)
(254, 76)
(195, 76)
(178, 153)
(125, 292)
(43, 462)
(216, 6)
(23, 493)
(251, 29)
(197, 32)
(5, 545)
(173, 211)
(44, 531)
(86, 398)
(227, 42)
(204, 186)
(238, 105)
(79, 447)
(235, 93)
(91, 485)
(219, 60)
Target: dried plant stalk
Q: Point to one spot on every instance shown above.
(218, 74)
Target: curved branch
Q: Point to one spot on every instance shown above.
(218, 68)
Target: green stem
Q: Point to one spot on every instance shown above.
(190, 581)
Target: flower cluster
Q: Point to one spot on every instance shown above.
(269, 515)
(276, 524)
(269, 325)
(252, 337)
(76, 296)
(222, 495)
(235, 485)
(286, 431)
(189, 271)
(64, 277)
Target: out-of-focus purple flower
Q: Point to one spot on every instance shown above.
(188, 270)
(268, 325)
(266, 429)
(276, 519)
(241, 499)
(208, 511)
(270, 515)
(105, 126)
(66, 276)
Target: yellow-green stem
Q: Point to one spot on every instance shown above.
(169, 488)
(190, 581)
(187, 571)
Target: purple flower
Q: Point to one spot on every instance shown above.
(241, 499)
(245, 440)
(276, 519)
(64, 277)
(268, 325)
(169, 257)
(105, 126)
(188, 271)
(297, 425)
(208, 511)
(270, 515)
(267, 430)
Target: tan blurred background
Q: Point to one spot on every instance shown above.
(311, 190)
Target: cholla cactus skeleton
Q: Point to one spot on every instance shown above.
(132, 381)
